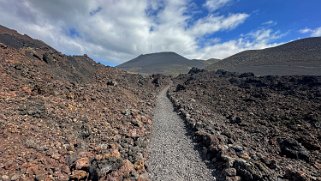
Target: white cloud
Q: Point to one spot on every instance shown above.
(213, 5)
(118, 30)
(269, 23)
(213, 24)
(254, 40)
(312, 32)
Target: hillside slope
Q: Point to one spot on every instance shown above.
(301, 57)
(69, 118)
(212, 61)
(168, 63)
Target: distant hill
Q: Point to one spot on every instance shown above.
(301, 57)
(168, 63)
(212, 60)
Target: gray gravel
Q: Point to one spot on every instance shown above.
(172, 154)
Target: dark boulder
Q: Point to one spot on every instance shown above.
(112, 83)
(3, 46)
(180, 87)
(235, 119)
(252, 171)
(48, 58)
(248, 74)
(195, 70)
(156, 82)
(293, 149)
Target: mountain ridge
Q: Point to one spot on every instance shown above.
(300, 57)
(169, 63)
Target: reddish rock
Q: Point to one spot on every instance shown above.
(143, 177)
(82, 163)
(79, 175)
(5, 178)
(126, 168)
(57, 109)
(139, 166)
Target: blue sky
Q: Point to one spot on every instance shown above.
(288, 16)
(113, 32)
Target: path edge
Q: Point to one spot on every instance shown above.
(197, 135)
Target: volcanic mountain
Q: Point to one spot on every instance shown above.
(300, 57)
(169, 63)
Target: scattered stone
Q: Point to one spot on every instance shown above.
(293, 149)
(112, 83)
(137, 123)
(85, 131)
(48, 58)
(112, 154)
(235, 119)
(139, 166)
(126, 112)
(15, 177)
(5, 178)
(156, 82)
(230, 172)
(32, 52)
(82, 163)
(3, 46)
(235, 178)
(243, 154)
(143, 177)
(296, 175)
(180, 87)
(248, 74)
(56, 156)
(195, 70)
(237, 148)
(249, 171)
(79, 175)
(127, 167)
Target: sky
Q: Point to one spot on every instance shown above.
(115, 31)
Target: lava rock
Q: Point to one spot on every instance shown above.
(3, 46)
(251, 172)
(235, 119)
(195, 70)
(247, 74)
(79, 175)
(156, 82)
(230, 172)
(112, 83)
(82, 163)
(34, 109)
(48, 58)
(180, 87)
(84, 131)
(293, 149)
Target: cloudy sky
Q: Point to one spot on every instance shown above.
(114, 31)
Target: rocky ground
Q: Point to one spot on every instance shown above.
(254, 128)
(69, 118)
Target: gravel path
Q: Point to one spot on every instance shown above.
(172, 156)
